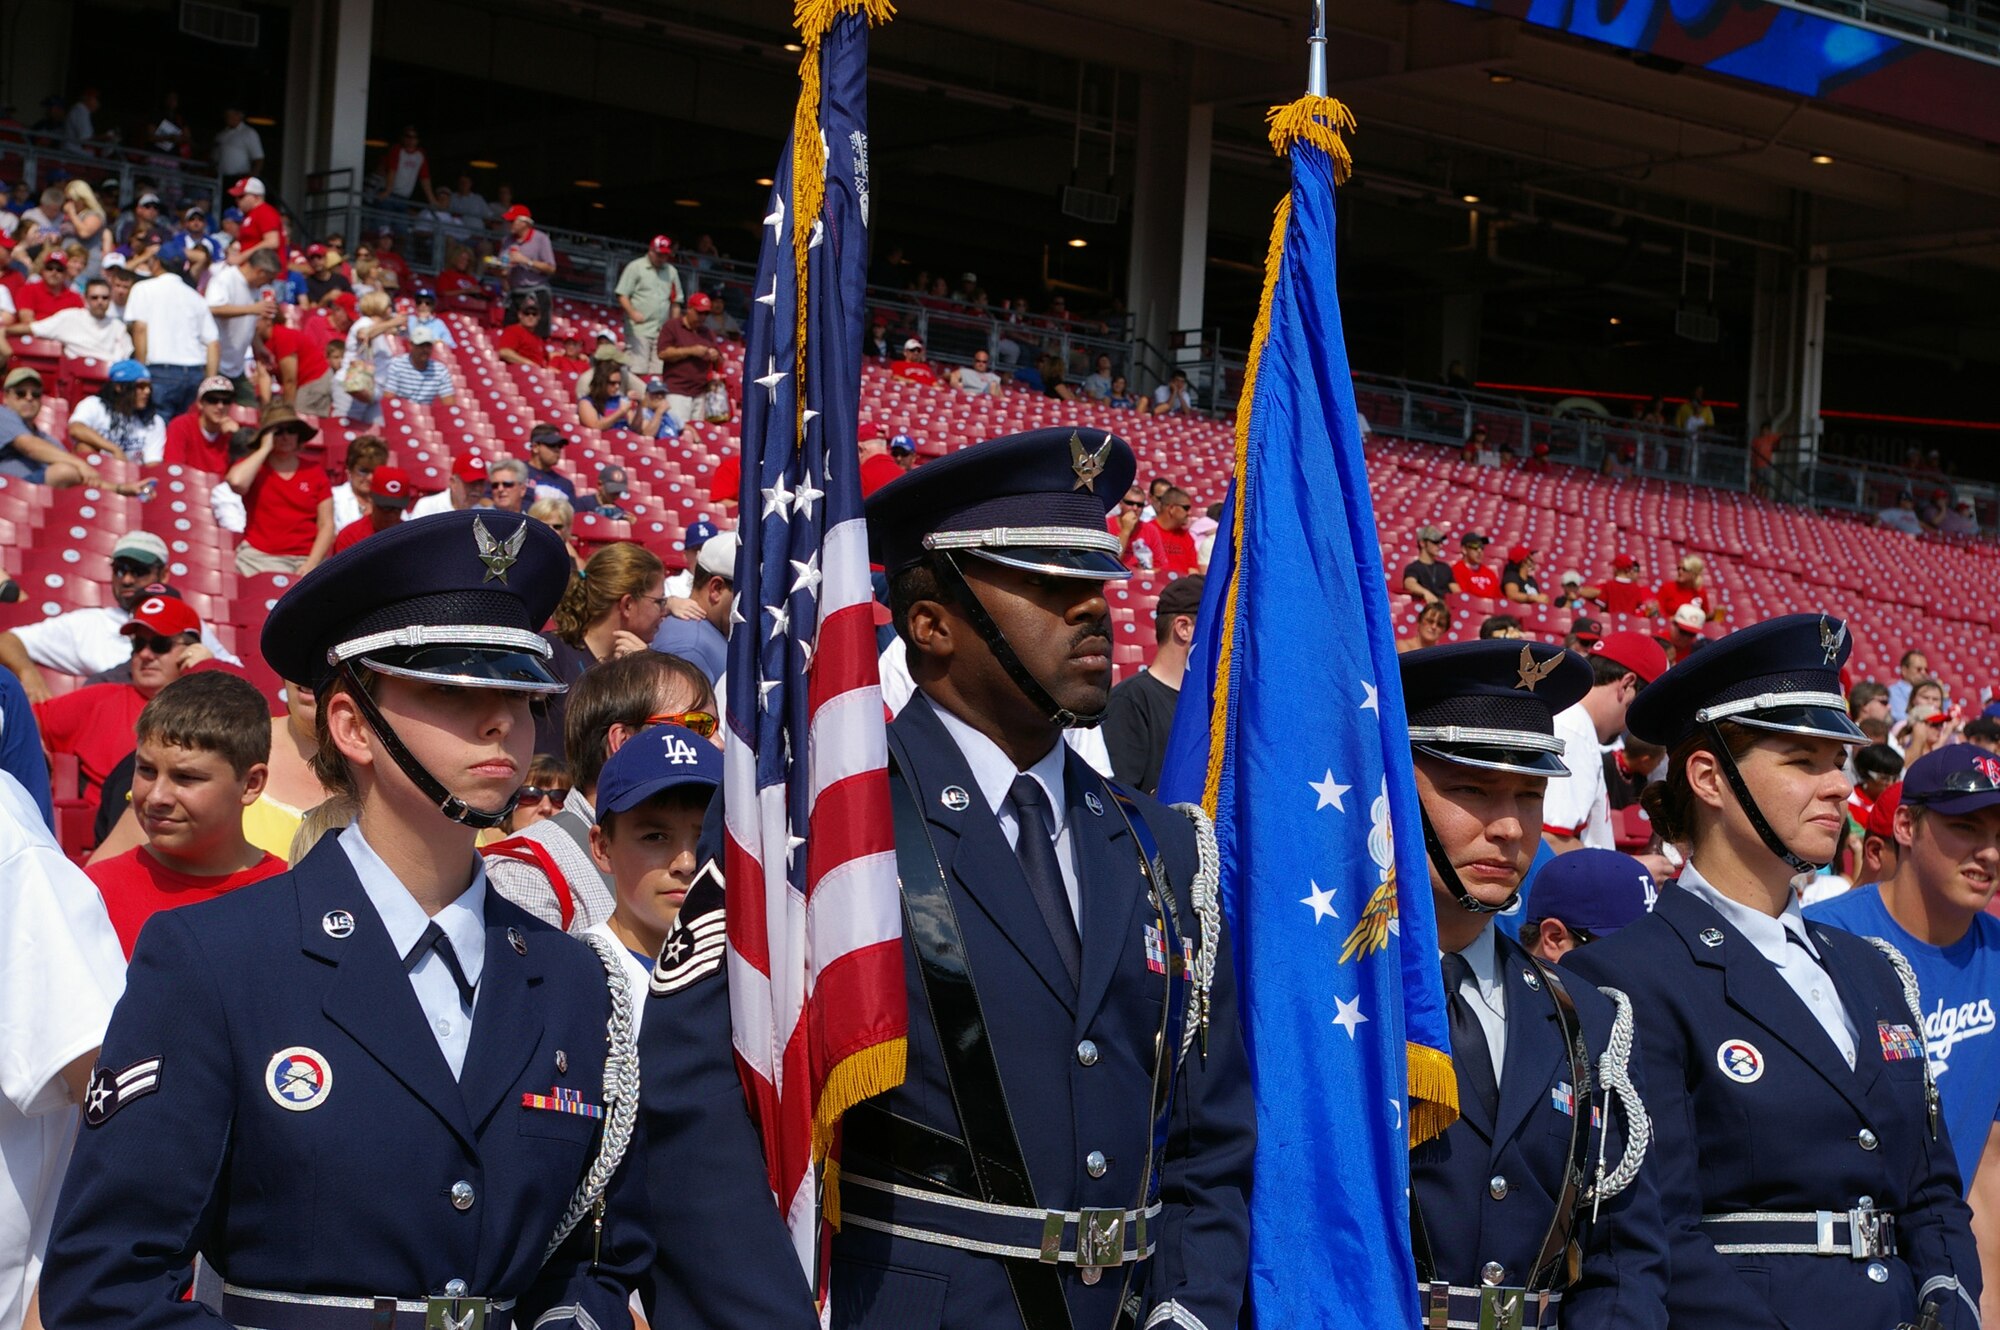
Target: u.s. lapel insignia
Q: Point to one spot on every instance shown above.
(110, 1090)
(955, 798)
(1531, 673)
(1093, 803)
(562, 1063)
(1740, 1061)
(1711, 937)
(498, 555)
(517, 942)
(1087, 465)
(1531, 979)
(298, 1078)
(1830, 638)
(337, 923)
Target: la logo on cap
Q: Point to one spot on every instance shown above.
(680, 752)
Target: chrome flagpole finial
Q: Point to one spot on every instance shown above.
(1316, 52)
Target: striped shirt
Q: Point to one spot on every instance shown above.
(401, 378)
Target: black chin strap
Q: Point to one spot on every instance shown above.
(1750, 809)
(1441, 861)
(955, 582)
(448, 803)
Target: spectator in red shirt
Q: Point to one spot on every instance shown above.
(38, 300)
(727, 483)
(199, 437)
(1684, 636)
(262, 227)
(387, 257)
(570, 359)
(689, 353)
(96, 723)
(517, 343)
(1689, 587)
(877, 467)
(1623, 594)
(1474, 578)
(389, 495)
(1165, 545)
(457, 278)
(289, 503)
(204, 749)
(913, 366)
(298, 360)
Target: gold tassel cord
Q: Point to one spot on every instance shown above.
(1433, 1093)
(1319, 121)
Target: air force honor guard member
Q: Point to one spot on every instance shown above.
(1806, 1174)
(371, 1094)
(1071, 1148)
(1533, 1209)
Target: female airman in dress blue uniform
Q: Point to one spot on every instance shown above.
(370, 1094)
(1805, 1174)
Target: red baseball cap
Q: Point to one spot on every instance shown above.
(1637, 652)
(519, 212)
(468, 468)
(1516, 553)
(314, 251)
(699, 300)
(391, 487)
(165, 615)
(1882, 817)
(1620, 562)
(347, 302)
(662, 245)
(867, 430)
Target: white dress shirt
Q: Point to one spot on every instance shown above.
(1488, 994)
(994, 772)
(1798, 962)
(463, 921)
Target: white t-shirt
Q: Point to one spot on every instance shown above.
(237, 150)
(346, 508)
(1578, 805)
(141, 439)
(86, 642)
(977, 382)
(638, 974)
(178, 324)
(230, 514)
(228, 286)
(101, 339)
(61, 972)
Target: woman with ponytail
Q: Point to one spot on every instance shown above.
(612, 609)
(1805, 1173)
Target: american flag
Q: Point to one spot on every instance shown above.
(814, 915)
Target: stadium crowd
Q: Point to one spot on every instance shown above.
(238, 354)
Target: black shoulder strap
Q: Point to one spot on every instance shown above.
(1556, 1265)
(999, 1168)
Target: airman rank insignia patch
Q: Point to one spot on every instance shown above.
(694, 949)
(110, 1090)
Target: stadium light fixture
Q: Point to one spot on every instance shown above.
(794, 47)
(1469, 198)
(1078, 242)
(374, 143)
(1495, 76)
(687, 203)
(763, 182)
(1615, 320)
(480, 164)
(1821, 159)
(261, 121)
(588, 184)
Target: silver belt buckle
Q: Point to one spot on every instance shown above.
(1100, 1242)
(1502, 1308)
(457, 1313)
(1871, 1233)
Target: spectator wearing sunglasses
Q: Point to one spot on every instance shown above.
(1429, 578)
(543, 796)
(1581, 896)
(90, 641)
(97, 723)
(28, 454)
(547, 869)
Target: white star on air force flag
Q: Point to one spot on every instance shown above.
(1369, 701)
(1329, 791)
(1321, 901)
(1349, 1014)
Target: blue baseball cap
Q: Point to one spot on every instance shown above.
(232, 214)
(1958, 778)
(661, 757)
(1595, 892)
(129, 371)
(699, 534)
(902, 443)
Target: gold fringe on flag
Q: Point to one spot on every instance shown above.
(814, 19)
(870, 1071)
(1320, 121)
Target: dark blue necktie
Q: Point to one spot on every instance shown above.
(434, 939)
(1471, 1055)
(1036, 846)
